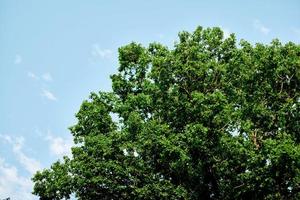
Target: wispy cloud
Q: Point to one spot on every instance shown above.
(258, 25)
(226, 33)
(18, 59)
(47, 77)
(44, 77)
(12, 184)
(59, 146)
(49, 95)
(32, 76)
(101, 53)
(30, 164)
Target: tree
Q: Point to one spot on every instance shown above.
(208, 119)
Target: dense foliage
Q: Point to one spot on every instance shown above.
(208, 119)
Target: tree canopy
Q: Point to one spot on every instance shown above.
(209, 118)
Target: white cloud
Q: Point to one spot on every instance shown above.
(12, 184)
(226, 33)
(102, 53)
(47, 77)
(261, 27)
(30, 164)
(49, 95)
(59, 146)
(33, 76)
(18, 59)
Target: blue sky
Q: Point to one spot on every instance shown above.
(54, 53)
